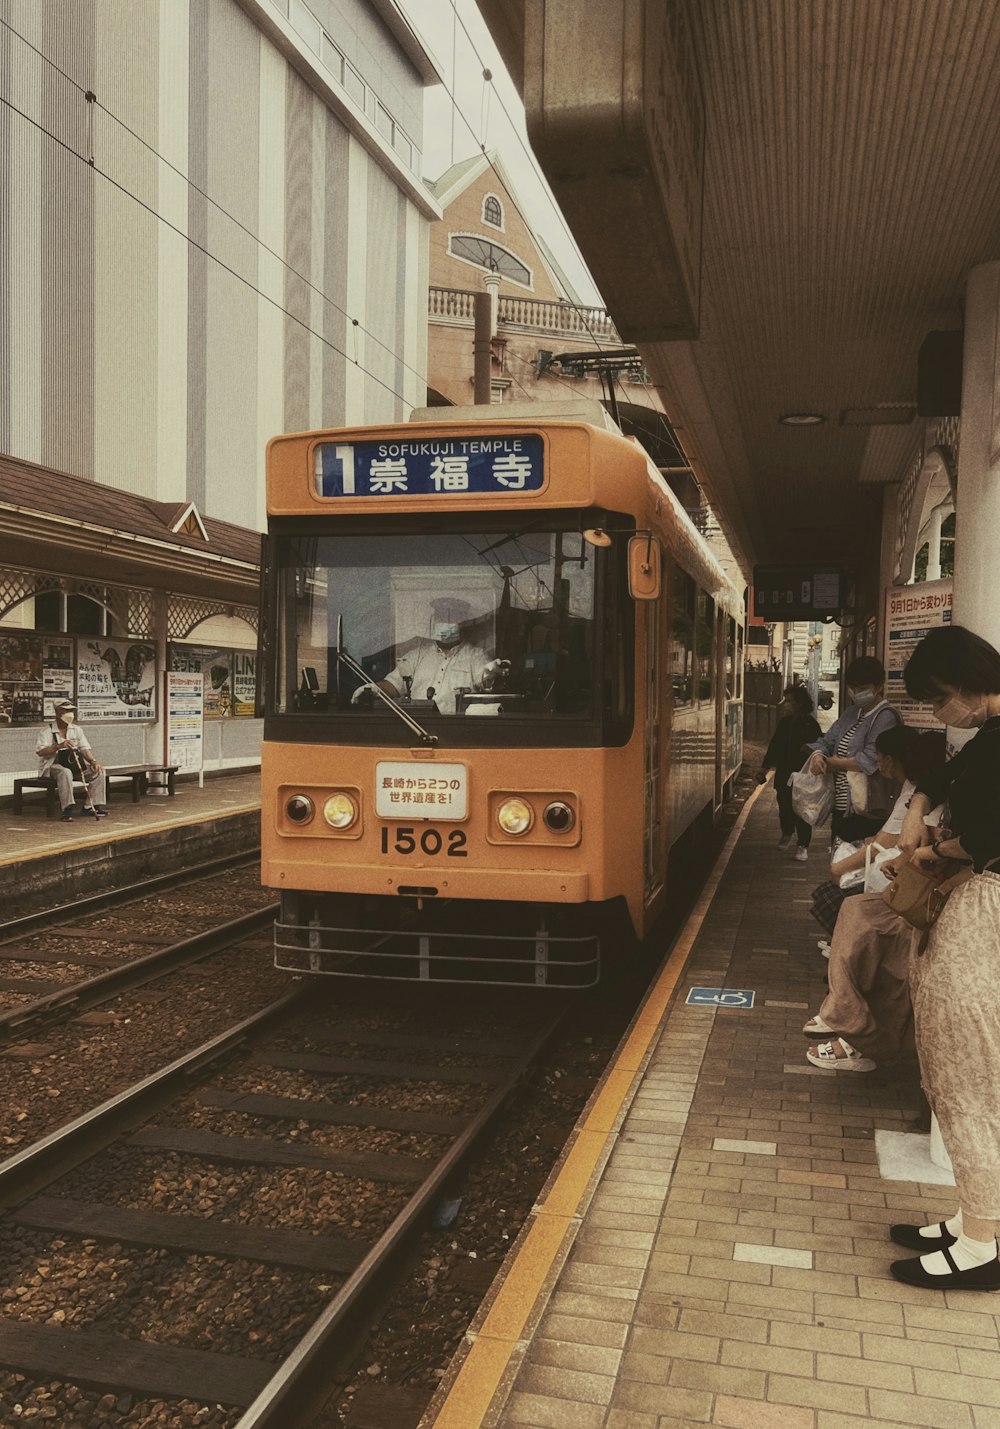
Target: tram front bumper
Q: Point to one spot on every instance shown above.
(427, 881)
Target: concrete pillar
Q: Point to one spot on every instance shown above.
(977, 518)
(492, 285)
(934, 544)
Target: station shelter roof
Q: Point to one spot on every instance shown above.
(50, 520)
(845, 155)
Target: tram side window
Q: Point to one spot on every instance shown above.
(731, 666)
(705, 644)
(682, 655)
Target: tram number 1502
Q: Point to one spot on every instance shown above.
(406, 840)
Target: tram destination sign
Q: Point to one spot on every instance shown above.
(799, 592)
(430, 466)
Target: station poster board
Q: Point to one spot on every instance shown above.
(184, 728)
(115, 680)
(229, 677)
(35, 670)
(910, 611)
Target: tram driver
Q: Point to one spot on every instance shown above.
(445, 666)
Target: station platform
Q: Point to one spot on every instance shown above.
(713, 1245)
(44, 861)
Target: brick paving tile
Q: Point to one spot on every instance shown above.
(545, 1413)
(630, 1419)
(560, 1354)
(663, 1399)
(777, 1359)
(576, 1330)
(739, 1414)
(816, 1337)
(816, 1394)
(728, 1324)
(720, 1379)
(880, 1374)
(967, 1388)
(913, 1409)
(577, 1385)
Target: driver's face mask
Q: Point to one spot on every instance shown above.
(446, 632)
(68, 717)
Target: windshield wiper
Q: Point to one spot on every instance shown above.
(355, 669)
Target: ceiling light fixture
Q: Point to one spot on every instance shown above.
(802, 419)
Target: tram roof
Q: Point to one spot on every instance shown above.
(850, 156)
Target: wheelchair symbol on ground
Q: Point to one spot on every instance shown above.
(720, 997)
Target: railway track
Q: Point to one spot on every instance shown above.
(65, 1191)
(26, 941)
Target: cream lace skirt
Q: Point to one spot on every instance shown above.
(955, 988)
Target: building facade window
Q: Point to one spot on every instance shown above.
(493, 211)
(484, 253)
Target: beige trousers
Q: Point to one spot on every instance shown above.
(869, 997)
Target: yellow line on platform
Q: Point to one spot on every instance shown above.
(488, 1358)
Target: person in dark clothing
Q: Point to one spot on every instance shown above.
(785, 755)
(953, 983)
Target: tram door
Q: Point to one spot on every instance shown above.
(652, 803)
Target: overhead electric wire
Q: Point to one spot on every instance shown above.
(320, 337)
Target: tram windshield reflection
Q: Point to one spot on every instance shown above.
(458, 624)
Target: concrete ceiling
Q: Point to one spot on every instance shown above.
(851, 180)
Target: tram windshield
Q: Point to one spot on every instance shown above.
(459, 625)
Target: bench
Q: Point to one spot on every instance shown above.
(137, 774)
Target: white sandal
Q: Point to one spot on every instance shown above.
(815, 1025)
(824, 1056)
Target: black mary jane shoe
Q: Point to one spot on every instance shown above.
(978, 1277)
(911, 1238)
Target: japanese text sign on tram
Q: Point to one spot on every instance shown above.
(428, 466)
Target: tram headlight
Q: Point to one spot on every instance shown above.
(558, 817)
(514, 816)
(299, 809)
(340, 811)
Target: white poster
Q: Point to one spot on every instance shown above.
(115, 680)
(910, 611)
(184, 734)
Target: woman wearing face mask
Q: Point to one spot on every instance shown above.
(849, 747)
(869, 999)
(954, 984)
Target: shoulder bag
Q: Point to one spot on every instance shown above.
(918, 895)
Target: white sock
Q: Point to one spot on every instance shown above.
(954, 1226)
(965, 1253)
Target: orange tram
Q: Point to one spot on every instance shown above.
(502, 689)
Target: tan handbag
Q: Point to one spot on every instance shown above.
(917, 895)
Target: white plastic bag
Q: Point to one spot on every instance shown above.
(812, 795)
(875, 880)
(856, 876)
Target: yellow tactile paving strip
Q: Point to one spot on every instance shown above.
(543, 1244)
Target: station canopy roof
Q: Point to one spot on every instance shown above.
(848, 182)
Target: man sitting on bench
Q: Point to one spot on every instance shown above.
(64, 753)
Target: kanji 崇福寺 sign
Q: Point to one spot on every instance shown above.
(430, 466)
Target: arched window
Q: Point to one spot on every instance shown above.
(485, 254)
(492, 211)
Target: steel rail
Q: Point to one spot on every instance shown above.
(284, 1399)
(54, 1006)
(53, 1155)
(110, 897)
